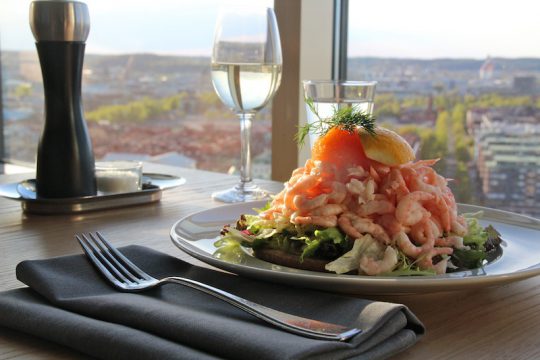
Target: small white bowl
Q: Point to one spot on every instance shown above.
(118, 176)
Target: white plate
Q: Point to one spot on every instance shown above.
(196, 234)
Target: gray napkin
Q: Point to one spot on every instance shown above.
(69, 303)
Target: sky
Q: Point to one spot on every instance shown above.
(385, 28)
(438, 29)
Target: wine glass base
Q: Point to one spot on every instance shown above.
(241, 193)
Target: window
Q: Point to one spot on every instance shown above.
(453, 81)
(460, 80)
(147, 92)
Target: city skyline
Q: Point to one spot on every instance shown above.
(169, 28)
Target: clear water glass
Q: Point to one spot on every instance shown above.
(329, 96)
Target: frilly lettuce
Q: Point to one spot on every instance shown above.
(229, 250)
(477, 235)
(478, 243)
(366, 245)
(263, 228)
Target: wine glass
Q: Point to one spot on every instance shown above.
(246, 73)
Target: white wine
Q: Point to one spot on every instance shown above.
(246, 87)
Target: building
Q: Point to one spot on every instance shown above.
(474, 119)
(487, 69)
(507, 152)
(419, 116)
(524, 84)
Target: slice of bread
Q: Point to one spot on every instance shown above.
(283, 258)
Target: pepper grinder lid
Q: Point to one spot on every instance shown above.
(59, 21)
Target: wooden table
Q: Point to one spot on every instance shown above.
(490, 323)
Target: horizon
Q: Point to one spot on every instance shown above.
(349, 57)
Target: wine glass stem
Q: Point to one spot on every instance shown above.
(245, 147)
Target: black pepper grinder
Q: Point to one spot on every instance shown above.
(65, 160)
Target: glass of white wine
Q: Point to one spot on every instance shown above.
(246, 73)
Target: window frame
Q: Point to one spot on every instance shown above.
(301, 22)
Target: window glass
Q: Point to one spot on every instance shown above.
(460, 81)
(147, 91)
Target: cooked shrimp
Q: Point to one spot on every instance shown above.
(379, 207)
(374, 267)
(358, 226)
(374, 174)
(298, 171)
(324, 221)
(310, 163)
(440, 181)
(459, 226)
(418, 185)
(345, 224)
(371, 186)
(357, 172)
(390, 224)
(427, 175)
(356, 187)
(364, 190)
(394, 184)
(450, 241)
(327, 210)
(324, 170)
(420, 163)
(435, 227)
(450, 201)
(381, 169)
(439, 209)
(423, 232)
(276, 206)
(404, 243)
(337, 192)
(426, 260)
(303, 184)
(410, 211)
(305, 204)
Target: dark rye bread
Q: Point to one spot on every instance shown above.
(283, 258)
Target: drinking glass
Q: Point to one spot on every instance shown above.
(329, 96)
(246, 72)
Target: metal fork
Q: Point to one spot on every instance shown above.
(126, 276)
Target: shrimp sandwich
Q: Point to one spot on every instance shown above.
(362, 204)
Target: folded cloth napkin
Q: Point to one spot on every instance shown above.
(69, 303)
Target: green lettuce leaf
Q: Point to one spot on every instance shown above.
(477, 235)
(468, 259)
(332, 235)
(229, 250)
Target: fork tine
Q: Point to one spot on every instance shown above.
(131, 266)
(113, 260)
(89, 249)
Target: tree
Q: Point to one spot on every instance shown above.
(23, 90)
(441, 128)
(139, 110)
(461, 185)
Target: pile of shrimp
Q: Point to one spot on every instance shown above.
(408, 206)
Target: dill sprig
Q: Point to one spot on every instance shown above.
(345, 118)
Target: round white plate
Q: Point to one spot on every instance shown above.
(196, 234)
